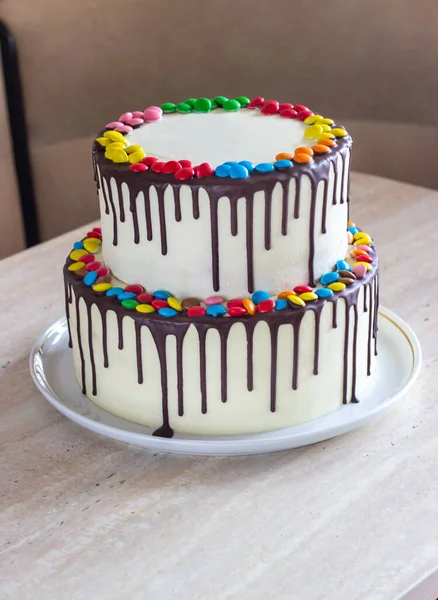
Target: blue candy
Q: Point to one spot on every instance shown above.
(329, 278)
(115, 291)
(90, 278)
(216, 310)
(259, 296)
(353, 230)
(78, 245)
(238, 172)
(342, 265)
(280, 303)
(222, 170)
(126, 296)
(323, 293)
(282, 164)
(231, 163)
(264, 167)
(167, 312)
(161, 294)
(248, 165)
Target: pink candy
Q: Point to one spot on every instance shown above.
(363, 247)
(359, 271)
(125, 117)
(152, 113)
(135, 121)
(213, 300)
(114, 124)
(137, 114)
(123, 128)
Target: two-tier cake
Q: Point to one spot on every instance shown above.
(226, 290)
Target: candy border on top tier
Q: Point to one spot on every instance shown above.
(320, 129)
(95, 275)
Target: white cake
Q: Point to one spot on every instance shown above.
(222, 221)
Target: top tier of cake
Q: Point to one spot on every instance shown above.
(223, 201)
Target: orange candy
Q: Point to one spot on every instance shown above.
(286, 293)
(351, 224)
(320, 148)
(302, 158)
(284, 156)
(249, 306)
(304, 150)
(329, 142)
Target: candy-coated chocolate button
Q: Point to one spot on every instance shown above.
(90, 278)
(359, 270)
(103, 272)
(149, 160)
(114, 136)
(266, 306)
(235, 302)
(94, 234)
(236, 311)
(367, 265)
(302, 158)
(231, 105)
(242, 100)
(136, 157)
(135, 121)
(152, 113)
(92, 245)
(364, 248)
(308, 296)
(171, 166)
(158, 167)
(271, 107)
(78, 246)
(304, 150)
(183, 107)
(320, 149)
(282, 164)
(167, 312)
(126, 296)
(302, 289)
(302, 114)
(312, 132)
(339, 132)
(221, 100)
(191, 102)
(348, 274)
(161, 294)
(342, 265)
(285, 294)
(288, 113)
(328, 278)
(103, 278)
(216, 310)
(77, 254)
(280, 303)
(285, 106)
(168, 107)
(190, 302)
(204, 170)
(284, 156)
(145, 298)
(138, 167)
(350, 239)
(328, 142)
(159, 304)
(295, 301)
(264, 167)
(93, 266)
(256, 102)
(125, 117)
(238, 172)
(76, 266)
(337, 286)
(115, 291)
(102, 141)
(102, 287)
(222, 171)
(313, 119)
(248, 165)
(81, 273)
(323, 293)
(145, 308)
(346, 280)
(184, 173)
(196, 311)
(249, 306)
(134, 288)
(213, 300)
(130, 303)
(364, 258)
(260, 296)
(175, 304)
(185, 163)
(326, 121)
(202, 105)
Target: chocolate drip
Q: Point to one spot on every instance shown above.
(268, 214)
(179, 371)
(120, 329)
(342, 193)
(285, 206)
(67, 292)
(274, 348)
(316, 343)
(202, 332)
(233, 216)
(296, 325)
(134, 213)
(312, 235)
(148, 218)
(224, 365)
(162, 216)
(324, 207)
(195, 198)
(346, 355)
(81, 350)
(354, 372)
(138, 352)
(370, 326)
(335, 181)
(214, 241)
(297, 197)
(90, 346)
(365, 306)
(177, 194)
(376, 310)
(249, 358)
(335, 314)
(250, 243)
(160, 342)
(108, 195)
(104, 338)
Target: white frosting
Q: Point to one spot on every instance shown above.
(220, 136)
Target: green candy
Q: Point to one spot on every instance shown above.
(130, 303)
(214, 104)
(202, 105)
(231, 105)
(183, 107)
(191, 102)
(221, 100)
(168, 107)
(243, 100)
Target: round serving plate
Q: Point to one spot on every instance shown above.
(398, 365)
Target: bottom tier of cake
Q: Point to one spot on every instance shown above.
(228, 375)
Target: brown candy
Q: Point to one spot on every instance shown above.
(346, 280)
(104, 279)
(190, 302)
(81, 273)
(349, 274)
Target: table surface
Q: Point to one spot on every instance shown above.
(353, 518)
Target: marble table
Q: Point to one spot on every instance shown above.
(353, 518)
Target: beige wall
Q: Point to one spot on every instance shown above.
(370, 63)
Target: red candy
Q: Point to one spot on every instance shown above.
(270, 107)
(145, 298)
(149, 160)
(289, 113)
(172, 166)
(135, 288)
(185, 163)
(266, 306)
(256, 103)
(196, 311)
(97, 229)
(204, 170)
(236, 311)
(301, 107)
(361, 258)
(103, 272)
(285, 106)
(93, 266)
(235, 302)
(304, 114)
(158, 167)
(87, 258)
(184, 173)
(159, 304)
(138, 167)
(302, 289)
(94, 234)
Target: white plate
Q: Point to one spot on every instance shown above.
(398, 364)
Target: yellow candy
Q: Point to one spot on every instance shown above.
(296, 300)
(312, 132)
(76, 254)
(326, 122)
(324, 126)
(92, 245)
(336, 286)
(136, 157)
(364, 240)
(367, 265)
(308, 296)
(326, 135)
(102, 287)
(113, 145)
(360, 234)
(114, 136)
(133, 148)
(103, 141)
(312, 119)
(118, 155)
(338, 132)
(174, 303)
(145, 308)
(76, 266)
